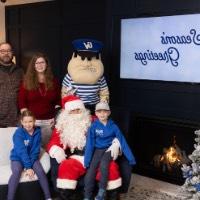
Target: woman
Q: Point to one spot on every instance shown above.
(40, 93)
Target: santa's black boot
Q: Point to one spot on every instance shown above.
(65, 194)
(113, 195)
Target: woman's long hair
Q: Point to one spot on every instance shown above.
(31, 79)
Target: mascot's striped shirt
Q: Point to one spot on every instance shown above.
(89, 94)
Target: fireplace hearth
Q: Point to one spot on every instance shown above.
(154, 140)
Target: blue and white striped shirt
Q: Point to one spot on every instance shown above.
(89, 94)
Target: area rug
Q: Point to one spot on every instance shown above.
(139, 193)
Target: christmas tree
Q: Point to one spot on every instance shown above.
(192, 172)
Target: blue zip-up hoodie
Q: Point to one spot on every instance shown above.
(26, 147)
(101, 136)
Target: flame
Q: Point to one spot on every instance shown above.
(171, 155)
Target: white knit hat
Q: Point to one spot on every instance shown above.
(72, 102)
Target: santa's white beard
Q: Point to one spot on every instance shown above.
(73, 129)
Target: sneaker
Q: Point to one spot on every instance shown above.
(101, 194)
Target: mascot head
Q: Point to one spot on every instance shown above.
(85, 66)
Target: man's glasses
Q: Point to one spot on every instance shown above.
(4, 51)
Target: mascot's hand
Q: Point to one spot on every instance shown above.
(114, 149)
(66, 91)
(104, 100)
(59, 155)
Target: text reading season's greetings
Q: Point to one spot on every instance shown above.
(171, 54)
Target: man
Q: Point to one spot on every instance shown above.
(10, 77)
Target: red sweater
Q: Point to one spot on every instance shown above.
(41, 102)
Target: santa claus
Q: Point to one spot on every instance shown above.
(67, 145)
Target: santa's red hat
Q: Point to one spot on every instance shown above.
(72, 102)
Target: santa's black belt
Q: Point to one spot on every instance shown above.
(78, 152)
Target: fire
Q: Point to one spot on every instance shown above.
(171, 155)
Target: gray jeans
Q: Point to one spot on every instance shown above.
(100, 159)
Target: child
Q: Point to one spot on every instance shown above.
(25, 155)
(99, 138)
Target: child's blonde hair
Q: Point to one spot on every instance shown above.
(27, 113)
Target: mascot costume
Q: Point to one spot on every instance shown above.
(67, 145)
(85, 74)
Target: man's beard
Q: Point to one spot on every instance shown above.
(73, 129)
(6, 60)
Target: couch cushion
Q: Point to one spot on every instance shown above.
(6, 170)
(5, 148)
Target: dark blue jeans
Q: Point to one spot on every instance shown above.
(100, 159)
(17, 169)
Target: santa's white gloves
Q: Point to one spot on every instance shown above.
(114, 149)
(58, 153)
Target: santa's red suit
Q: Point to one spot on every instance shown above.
(69, 136)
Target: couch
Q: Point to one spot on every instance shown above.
(27, 189)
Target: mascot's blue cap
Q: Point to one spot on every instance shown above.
(87, 45)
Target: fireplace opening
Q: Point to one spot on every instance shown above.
(161, 146)
(171, 158)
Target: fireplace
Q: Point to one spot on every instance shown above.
(154, 139)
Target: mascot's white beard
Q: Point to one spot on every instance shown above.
(73, 129)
